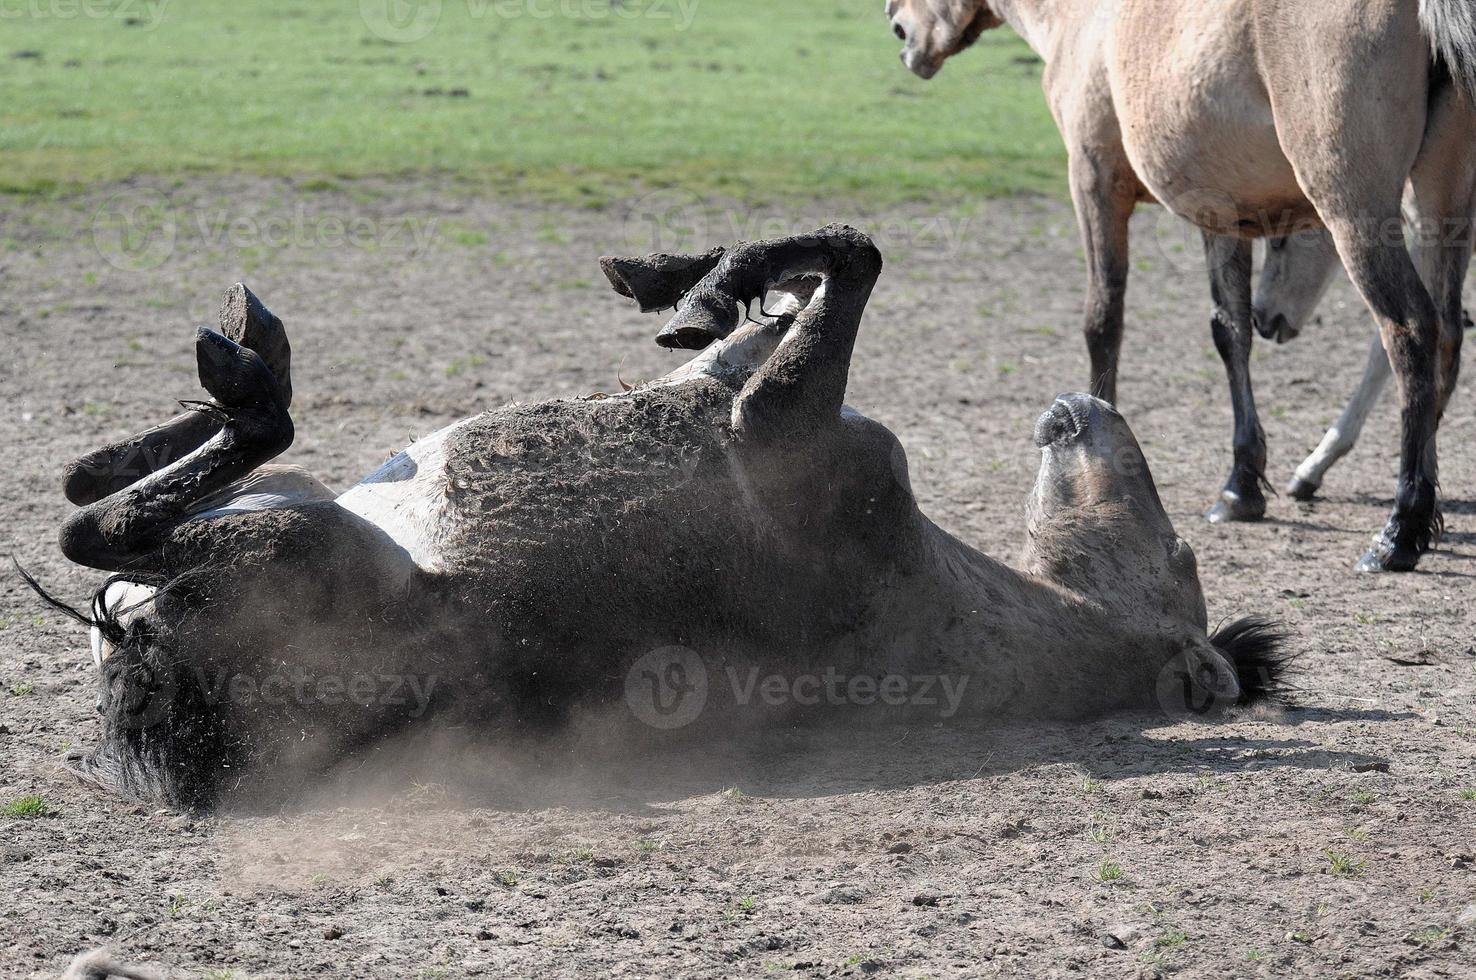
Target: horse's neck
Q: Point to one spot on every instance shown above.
(1050, 26)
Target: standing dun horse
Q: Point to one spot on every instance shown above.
(1256, 118)
(531, 557)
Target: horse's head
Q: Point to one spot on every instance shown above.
(1097, 527)
(1298, 270)
(932, 31)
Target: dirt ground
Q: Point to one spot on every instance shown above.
(1331, 840)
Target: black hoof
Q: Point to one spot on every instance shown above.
(1236, 507)
(705, 316)
(1385, 557)
(1300, 489)
(235, 376)
(247, 321)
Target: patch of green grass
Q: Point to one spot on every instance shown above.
(1363, 798)
(222, 975)
(1090, 785)
(28, 808)
(1469, 795)
(1109, 873)
(1173, 938)
(580, 107)
(747, 904)
(1430, 936)
(1255, 955)
(22, 690)
(1344, 864)
(506, 879)
(648, 844)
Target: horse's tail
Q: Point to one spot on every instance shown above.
(1451, 27)
(1257, 649)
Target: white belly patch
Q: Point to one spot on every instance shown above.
(406, 498)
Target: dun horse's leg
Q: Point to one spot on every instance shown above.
(1343, 436)
(125, 530)
(1104, 196)
(1442, 197)
(1229, 261)
(245, 320)
(1385, 275)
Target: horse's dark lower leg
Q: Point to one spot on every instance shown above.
(245, 320)
(802, 385)
(1410, 327)
(124, 531)
(1229, 261)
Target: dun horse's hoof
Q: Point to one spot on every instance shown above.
(1235, 507)
(1300, 489)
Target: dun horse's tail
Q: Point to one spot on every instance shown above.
(1451, 27)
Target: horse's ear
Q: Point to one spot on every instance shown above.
(658, 282)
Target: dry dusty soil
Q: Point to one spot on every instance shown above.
(1335, 839)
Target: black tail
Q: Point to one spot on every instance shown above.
(106, 621)
(1257, 648)
(112, 631)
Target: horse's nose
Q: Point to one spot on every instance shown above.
(899, 30)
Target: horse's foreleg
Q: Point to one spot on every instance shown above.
(1229, 262)
(245, 320)
(125, 531)
(1343, 436)
(1104, 198)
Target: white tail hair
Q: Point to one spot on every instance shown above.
(1451, 27)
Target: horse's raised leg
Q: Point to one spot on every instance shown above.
(245, 320)
(801, 387)
(125, 530)
(1343, 435)
(1104, 194)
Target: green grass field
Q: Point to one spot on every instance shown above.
(573, 99)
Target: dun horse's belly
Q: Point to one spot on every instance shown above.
(1197, 124)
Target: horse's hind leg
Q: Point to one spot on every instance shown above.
(1229, 261)
(245, 320)
(1343, 435)
(800, 388)
(125, 531)
(1442, 198)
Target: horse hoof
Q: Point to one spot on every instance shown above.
(1232, 507)
(1384, 557)
(1300, 489)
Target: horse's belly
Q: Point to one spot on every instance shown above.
(407, 498)
(1197, 124)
